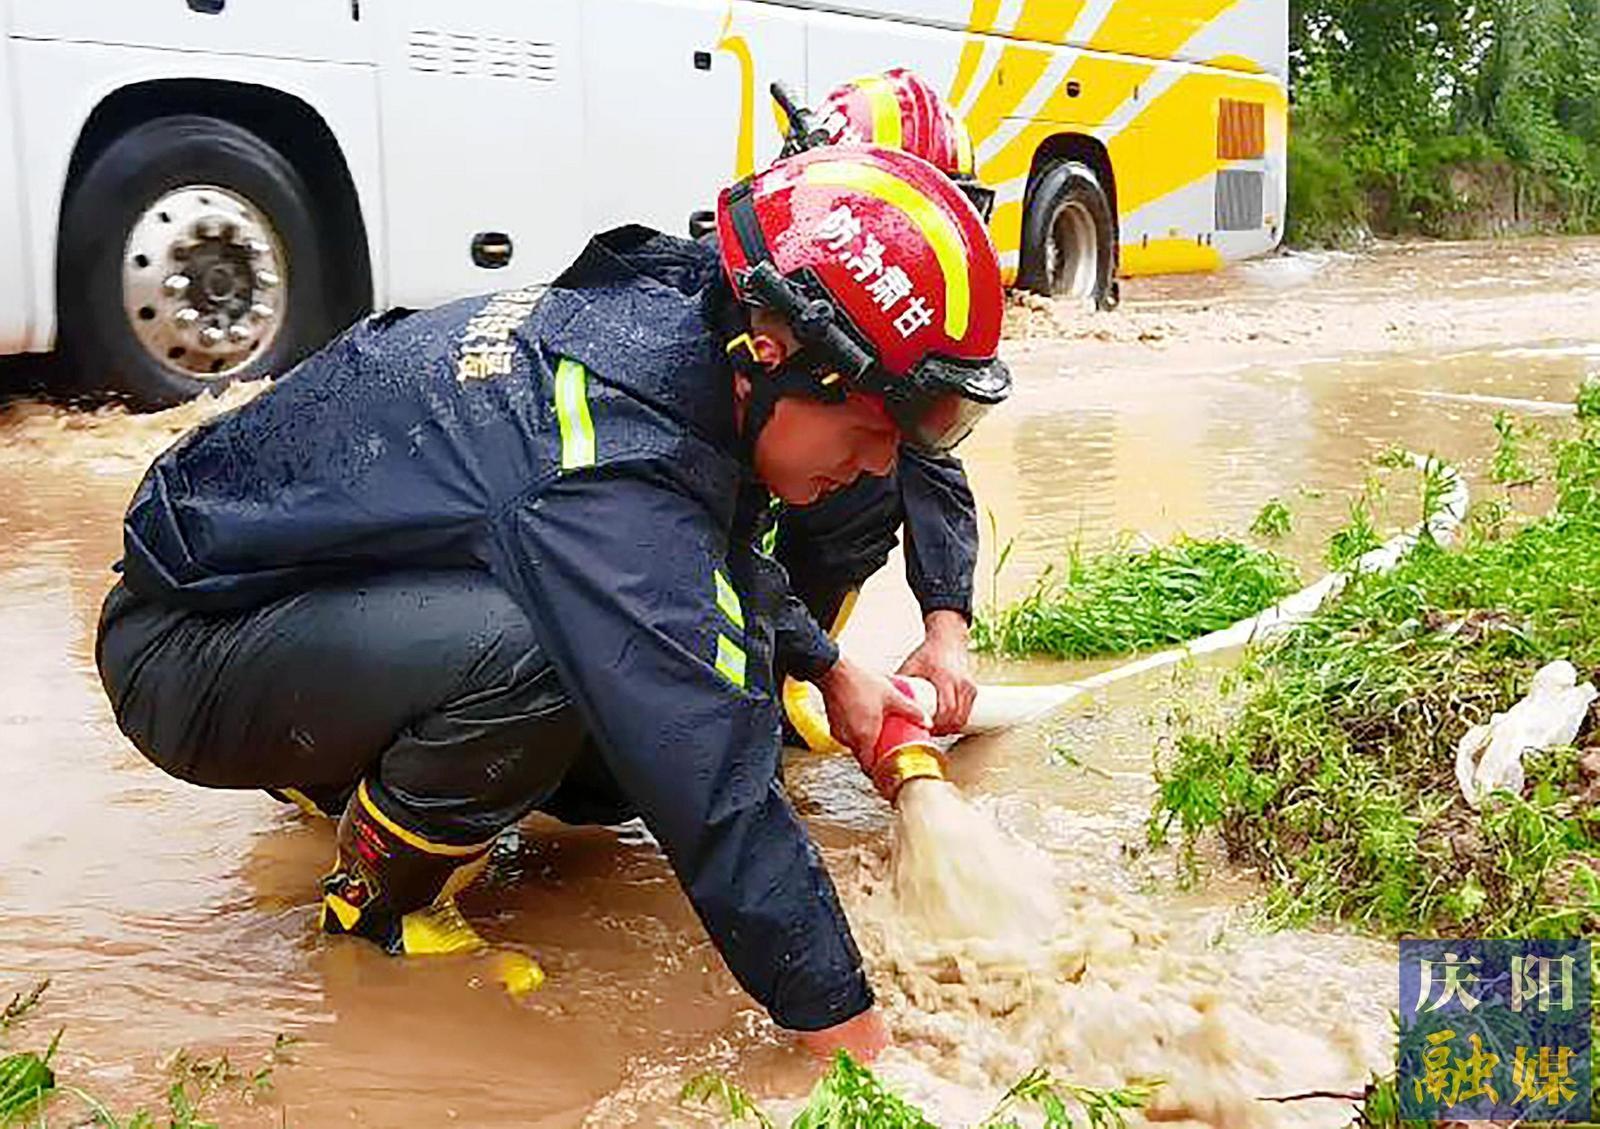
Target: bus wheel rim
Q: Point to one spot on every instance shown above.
(204, 281)
(1074, 252)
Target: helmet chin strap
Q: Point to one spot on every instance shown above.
(767, 387)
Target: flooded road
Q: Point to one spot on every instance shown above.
(169, 916)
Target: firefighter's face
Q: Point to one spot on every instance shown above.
(809, 448)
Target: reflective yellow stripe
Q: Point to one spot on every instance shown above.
(572, 410)
(936, 228)
(730, 660)
(886, 126)
(411, 838)
(728, 599)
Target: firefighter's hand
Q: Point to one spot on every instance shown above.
(864, 1037)
(857, 700)
(942, 660)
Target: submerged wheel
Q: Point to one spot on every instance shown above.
(189, 258)
(1069, 237)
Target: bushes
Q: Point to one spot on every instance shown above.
(1443, 117)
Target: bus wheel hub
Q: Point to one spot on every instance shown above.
(203, 280)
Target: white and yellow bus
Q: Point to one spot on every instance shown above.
(193, 191)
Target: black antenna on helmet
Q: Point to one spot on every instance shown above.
(803, 132)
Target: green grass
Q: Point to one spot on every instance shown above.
(850, 1096)
(1273, 521)
(1125, 599)
(1589, 399)
(1358, 536)
(1510, 466)
(1332, 772)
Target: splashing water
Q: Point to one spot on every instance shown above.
(959, 877)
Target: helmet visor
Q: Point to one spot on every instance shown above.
(942, 401)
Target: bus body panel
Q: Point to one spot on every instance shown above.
(62, 82)
(548, 121)
(678, 108)
(1158, 120)
(313, 30)
(1163, 30)
(16, 292)
(482, 111)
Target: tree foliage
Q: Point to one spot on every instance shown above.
(1394, 100)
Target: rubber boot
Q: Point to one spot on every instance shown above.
(318, 803)
(397, 889)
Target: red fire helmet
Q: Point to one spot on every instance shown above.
(898, 110)
(887, 276)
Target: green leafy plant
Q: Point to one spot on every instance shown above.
(1357, 537)
(851, 1095)
(26, 1080)
(731, 1100)
(1056, 1098)
(1509, 467)
(1126, 599)
(1588, 400)
(1273, 521)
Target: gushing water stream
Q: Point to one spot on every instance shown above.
(958, 877)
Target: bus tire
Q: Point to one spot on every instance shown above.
(1069, 236)
(190, 258)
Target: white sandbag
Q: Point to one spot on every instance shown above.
(1489, 757)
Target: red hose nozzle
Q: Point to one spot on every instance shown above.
(904, 751)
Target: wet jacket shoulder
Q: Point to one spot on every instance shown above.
(399, 441)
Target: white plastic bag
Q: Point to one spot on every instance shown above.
(1489, 757)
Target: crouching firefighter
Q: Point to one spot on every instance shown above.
(500, 556)
(831, 548)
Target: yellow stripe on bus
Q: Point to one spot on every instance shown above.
(1005, 226)
(1048, 21)
(1105, 85)
(1173, 142)
(981, 20)
(1155, 31)
(1169, 256)
(1009, 85)
(744, 156)
(1020, 68)
(936, 227)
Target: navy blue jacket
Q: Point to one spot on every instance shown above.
(579, 444)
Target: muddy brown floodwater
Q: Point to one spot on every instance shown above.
(168, 916)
